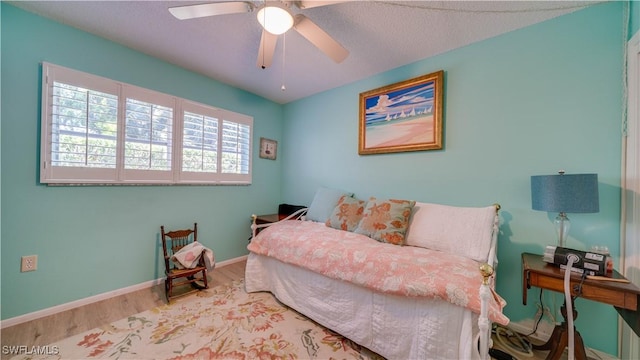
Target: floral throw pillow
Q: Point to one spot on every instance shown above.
(386, 220)
(347, 214)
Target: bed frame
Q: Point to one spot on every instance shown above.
(483, 338)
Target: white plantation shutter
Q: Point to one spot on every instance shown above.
(236, 141)
(215, 144)
(79, 127)
(148, 136)
(83, 127)
(99, 131)
(199, 143)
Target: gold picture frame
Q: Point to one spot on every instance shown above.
(268, 148)
(405, 116)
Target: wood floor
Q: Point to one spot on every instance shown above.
(48, 330)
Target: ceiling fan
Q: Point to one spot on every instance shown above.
(276, 18)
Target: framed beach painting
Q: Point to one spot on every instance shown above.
(405, 116)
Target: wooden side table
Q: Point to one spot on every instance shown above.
(617, 292)
(264, 219)
(267, 219)
(273, 218)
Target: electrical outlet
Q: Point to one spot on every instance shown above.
(29, 263)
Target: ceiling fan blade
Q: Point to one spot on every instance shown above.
(267, 48)
(315, 3)
(202, 10)
(320, 38)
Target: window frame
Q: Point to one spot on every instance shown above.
(221, 115)
(70, 175)
(137, 176)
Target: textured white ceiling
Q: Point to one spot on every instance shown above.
(380, 35)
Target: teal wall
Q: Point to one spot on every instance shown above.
(634, 18)
(90, 240)
(529, 102)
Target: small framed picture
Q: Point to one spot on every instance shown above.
(268, 148)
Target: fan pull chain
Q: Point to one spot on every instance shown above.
(262, 48)
(262, 40)
(284, 46)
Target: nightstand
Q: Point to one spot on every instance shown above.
(264, 219)
(617, 291)
(267, 219)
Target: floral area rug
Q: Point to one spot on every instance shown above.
(218, 323)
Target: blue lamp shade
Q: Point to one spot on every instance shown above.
(576, 193)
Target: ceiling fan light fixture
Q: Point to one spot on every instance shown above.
(275, 19)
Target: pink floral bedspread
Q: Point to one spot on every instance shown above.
(387, 268)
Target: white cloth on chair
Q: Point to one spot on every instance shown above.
(189, 256)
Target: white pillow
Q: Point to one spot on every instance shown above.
(466, 231)
(324, 201)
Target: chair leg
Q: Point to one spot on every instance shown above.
(204, 278)
(167, 289)
(195, 282)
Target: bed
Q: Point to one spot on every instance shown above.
(423, 297)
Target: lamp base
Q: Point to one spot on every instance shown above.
(562, 228)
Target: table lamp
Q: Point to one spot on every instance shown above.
(577, 193)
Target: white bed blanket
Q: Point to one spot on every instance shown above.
(393, 326)
(397, 270)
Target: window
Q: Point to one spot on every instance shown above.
(99, 131)
(83, 127)
(147, 136)
(199, 143)
(214, 141)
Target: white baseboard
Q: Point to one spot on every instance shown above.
(526, 326)
(545, 328)
(92, 299)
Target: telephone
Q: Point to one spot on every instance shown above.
(584, 262)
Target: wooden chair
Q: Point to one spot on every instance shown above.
(172, 241)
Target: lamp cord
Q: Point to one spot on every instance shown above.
(535, 328)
